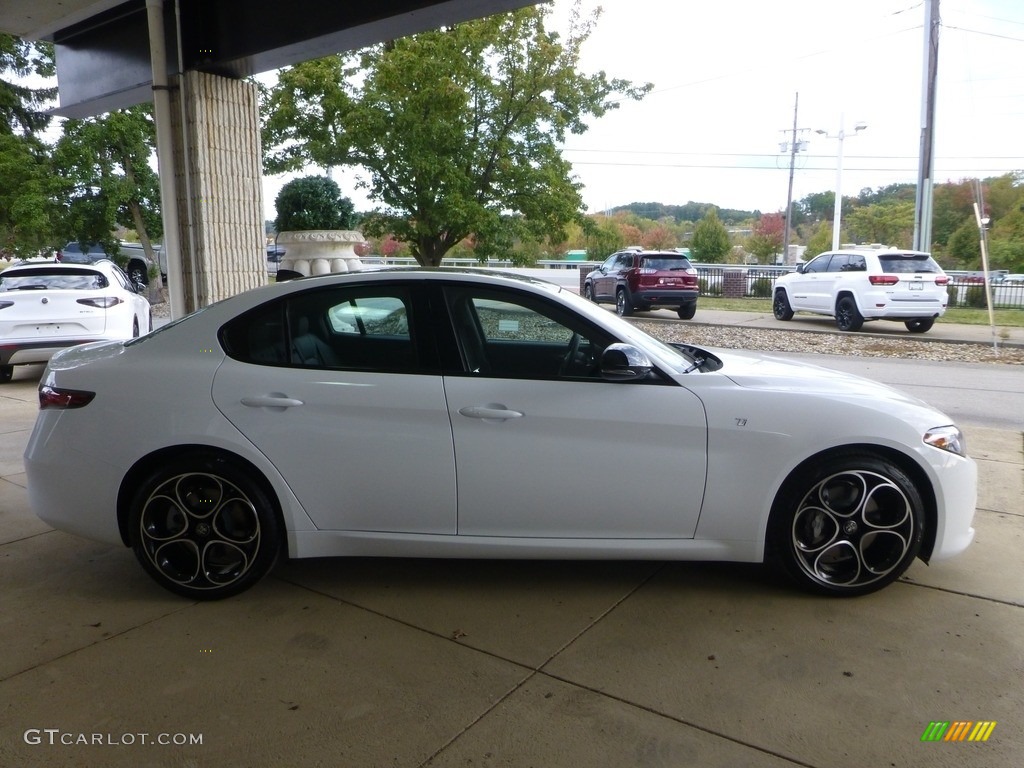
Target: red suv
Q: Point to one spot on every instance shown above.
(636, 279)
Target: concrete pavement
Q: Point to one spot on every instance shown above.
(463, 663)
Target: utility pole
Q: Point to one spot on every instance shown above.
(923, 203)
(793, 146)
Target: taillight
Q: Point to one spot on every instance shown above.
(54, 397)
(103, 302)
(942, 280)
(883, 279)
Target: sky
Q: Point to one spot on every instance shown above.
(727, 75)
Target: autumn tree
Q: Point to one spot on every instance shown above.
(766, 241)
(710, 243)
(457, 130)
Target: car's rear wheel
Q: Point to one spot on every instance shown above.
(687, 311)
(6, 373)
(921, 325)
(137, 273)
(203, 528)
(848, 317)
(623, 306)
(781, 307)
(850, 526)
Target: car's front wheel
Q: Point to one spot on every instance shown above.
(623, 306)
(203, 528)
(850, 526)
(848, 317)
(588, 292)
(6, 373)
(921, 325)
(781, 307)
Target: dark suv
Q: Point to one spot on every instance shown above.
(636, 279)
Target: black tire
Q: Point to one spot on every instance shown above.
(588, 292)
(848, 317)
(137, 273)
(623, 306)
(203, 528)
(850, 526)
(781, 307)
(6, 373)
(687, 311)
(135, 328)
(921, 325)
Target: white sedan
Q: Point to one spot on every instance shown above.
(436, 413)
(46, 306)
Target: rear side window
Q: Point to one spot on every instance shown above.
(48, 279)
(665, 263)
(902, 263)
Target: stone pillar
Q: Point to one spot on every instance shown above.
(220, 189)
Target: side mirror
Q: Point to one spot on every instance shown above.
(800, 268)
(624, 362)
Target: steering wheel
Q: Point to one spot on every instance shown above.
(577, 357)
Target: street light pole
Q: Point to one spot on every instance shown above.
(838, 210)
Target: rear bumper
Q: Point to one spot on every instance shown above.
(24, 352)
(664, 297)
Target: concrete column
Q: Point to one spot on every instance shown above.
(220, 191)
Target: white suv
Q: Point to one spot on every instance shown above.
(855, 285)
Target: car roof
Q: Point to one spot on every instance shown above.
(58, 265)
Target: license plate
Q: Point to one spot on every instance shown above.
(918, 286)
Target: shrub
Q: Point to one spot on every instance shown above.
(975, 297)
(709, 290)
(761, 288)
(313, 202)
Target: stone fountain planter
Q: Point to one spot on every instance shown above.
(320, 251)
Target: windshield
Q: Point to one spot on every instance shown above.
(665, 263)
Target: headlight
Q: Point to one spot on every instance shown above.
(947, 439)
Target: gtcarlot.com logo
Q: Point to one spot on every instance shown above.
(958, 730)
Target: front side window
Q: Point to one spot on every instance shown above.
(818, 264)
(507, 335)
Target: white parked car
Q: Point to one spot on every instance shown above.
(45, 306)
(855, 285)
(439, 413)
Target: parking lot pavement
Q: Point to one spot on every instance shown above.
(375, 662)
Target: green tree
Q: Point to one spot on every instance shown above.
(313, 202)
(1006, 242)
(21, 105)
(964, 245)
(457, 129)
(710, 243)
(603, 237)
(890, 223)
(28, 211)
(819, 242)
(105, 162)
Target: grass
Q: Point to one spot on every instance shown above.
(1011, 318)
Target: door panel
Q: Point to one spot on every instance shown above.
(361, 451)
(577, 459)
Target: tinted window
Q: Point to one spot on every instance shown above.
(908, 262)
(665, 263)
(818, 263)
(350, 328)
(507, 335)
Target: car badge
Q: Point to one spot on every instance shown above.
(45, 300)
